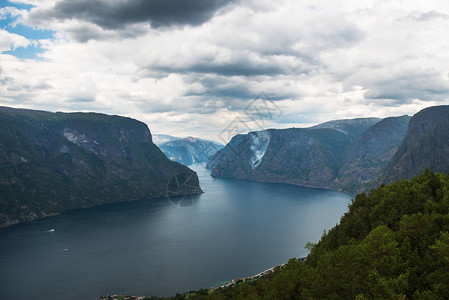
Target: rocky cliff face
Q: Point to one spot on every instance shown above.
(54, 162)
(297, 156)
(367, 157)
(426, 145)
(188, 150)
(302, 156)
(342, 154)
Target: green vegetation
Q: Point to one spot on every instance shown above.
(391, 244)
(51, 163)
(345, 155)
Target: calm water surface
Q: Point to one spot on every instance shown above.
(152, 247)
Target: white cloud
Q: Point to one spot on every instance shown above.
(11, 41)
(7, 12)
(319, 60)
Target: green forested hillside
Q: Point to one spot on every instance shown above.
(54, 162)
(426, 145)
(391, 244)
(342, 155)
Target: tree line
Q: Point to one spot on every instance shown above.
(391, 244)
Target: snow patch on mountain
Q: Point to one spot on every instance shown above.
(259, 145)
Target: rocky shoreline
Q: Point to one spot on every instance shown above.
(244, 279)
(233, 282)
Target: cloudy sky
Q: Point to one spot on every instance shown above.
(198, 67)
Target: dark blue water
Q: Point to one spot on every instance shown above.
(152, 247)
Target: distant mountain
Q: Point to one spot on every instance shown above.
(342, 154)
(187, 150)
(426, 145)
(54, 162)
(302, 156)
(159, 139)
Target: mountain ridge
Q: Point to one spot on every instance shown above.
(302, 156)
(54, 162)
(330, 155)
(426, 145)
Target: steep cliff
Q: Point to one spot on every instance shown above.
(54, 162)
(367, 157)
(301, 156)
(342, 154)
(426, 145)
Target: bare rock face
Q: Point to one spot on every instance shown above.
(343, 154)
(367, 157)
(296, 156)
(426, 145)
(54, 162)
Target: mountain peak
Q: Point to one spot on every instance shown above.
(426, 145)
(349, 126)
(54, 162)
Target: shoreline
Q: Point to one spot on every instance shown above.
(49, 215)
(233, 282)
(290, 183)
(244, 279)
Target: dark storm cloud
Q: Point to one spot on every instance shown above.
(424, 85)
(241, 64)
(241, 92)
(224, 91)
(237, 69)
(232, 69)
(234, 94)
(85, 32)
(110, 14)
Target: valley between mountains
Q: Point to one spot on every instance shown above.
(55, 162)
(351, 155)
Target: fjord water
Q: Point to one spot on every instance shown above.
(152, 247)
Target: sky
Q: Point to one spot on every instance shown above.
(213, 68)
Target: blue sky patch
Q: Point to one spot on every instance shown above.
(30, 33)
(32, 51)
(4, 3)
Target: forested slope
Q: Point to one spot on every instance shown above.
(51, 163)
(391, 244)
